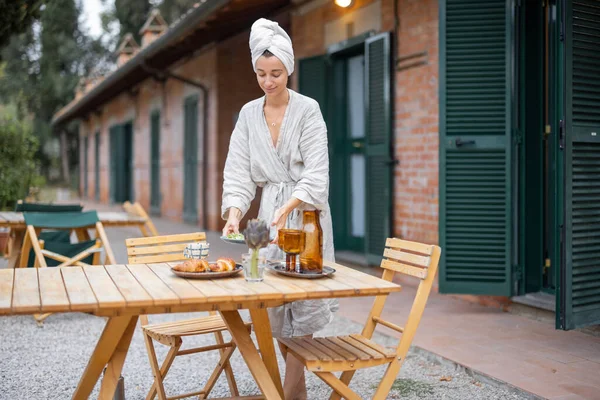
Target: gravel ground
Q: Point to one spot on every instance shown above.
(47, 362)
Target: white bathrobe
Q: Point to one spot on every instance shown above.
(297, 167)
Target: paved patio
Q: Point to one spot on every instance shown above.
(524, 353)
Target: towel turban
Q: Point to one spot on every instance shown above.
(268, 35)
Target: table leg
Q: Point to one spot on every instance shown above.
(15, 248)
(264, 337)
(241, 337)
(110, 352)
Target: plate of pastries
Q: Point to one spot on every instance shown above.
(202, 269)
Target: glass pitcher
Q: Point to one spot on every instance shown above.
(311, 258)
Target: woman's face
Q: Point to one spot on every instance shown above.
(271, 75)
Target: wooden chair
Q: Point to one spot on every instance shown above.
(346, 354)
(149, 229)
(162, 249)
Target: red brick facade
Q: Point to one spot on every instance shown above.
(226, 71)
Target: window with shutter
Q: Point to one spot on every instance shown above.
(379, 164)
(190, 156)
(475, 147)
(155, 163)
(97, 165)
(113, 157)
(85, 167)
(580, 280)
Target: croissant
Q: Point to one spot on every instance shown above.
(226, 264)
(192, 265)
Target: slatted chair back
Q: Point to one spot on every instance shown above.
(417, 260)
(159, 249)
(149, 229)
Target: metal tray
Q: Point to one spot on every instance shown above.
(279, 268)
(208, 275)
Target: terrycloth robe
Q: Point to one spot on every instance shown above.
(298, 166)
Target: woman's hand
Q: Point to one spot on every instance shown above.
(233, 221)
(281, 215)
(279, 220)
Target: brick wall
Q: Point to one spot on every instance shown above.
(416, 125)
(416, 142)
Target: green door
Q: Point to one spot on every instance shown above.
(378, 139)
(190, 157)
(580, 141)
(475, 147)
(127, 165)
(85, 166)
(97, 166)
(113, 154)
(155, 163)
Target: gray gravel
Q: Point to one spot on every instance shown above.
(47, 362)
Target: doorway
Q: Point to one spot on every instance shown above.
(348, 166)
(537, 41)
(121, 163)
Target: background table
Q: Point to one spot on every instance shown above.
(16, 222)
(123, 292)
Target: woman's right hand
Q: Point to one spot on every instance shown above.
(233, 222)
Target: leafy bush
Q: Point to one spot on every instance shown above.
(18, 166)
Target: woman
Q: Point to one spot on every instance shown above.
(280, 144)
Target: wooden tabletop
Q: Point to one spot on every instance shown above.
(13, 219)
(112, 290)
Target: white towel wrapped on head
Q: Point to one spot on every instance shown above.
(268, 35)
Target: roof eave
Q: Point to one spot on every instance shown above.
(189, 22)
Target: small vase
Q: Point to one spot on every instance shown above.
(254, 267)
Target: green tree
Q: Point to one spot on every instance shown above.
(129, 15)
(19, 168)
(16, 16)
(171, 10)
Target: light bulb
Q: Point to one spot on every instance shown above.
(344, 3)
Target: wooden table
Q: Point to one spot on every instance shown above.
(16, 222)
(123, 292)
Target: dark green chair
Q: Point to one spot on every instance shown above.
(47, 207)
(60, 252)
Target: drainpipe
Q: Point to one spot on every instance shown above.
(163, 75)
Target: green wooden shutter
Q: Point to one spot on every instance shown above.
(378, 132)
(190, 155)
(113, 160)
(580, 281)
(155, 163)
(85, 166)
(97, 166)
(312, 80)
(475, 147)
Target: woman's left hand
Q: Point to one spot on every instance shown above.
(279, 220)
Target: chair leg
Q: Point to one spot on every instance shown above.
(345, 378)
(158, 385)
(25, 251)
(39, 318)
(164, 368)
(223, 363)
(388, 380)
(337, 385)
(228, 370)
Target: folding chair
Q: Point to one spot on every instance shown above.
(137, 210)
(162, 249)
(22, 206)
(346, 354)
(57, 252)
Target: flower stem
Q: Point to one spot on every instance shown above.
(254, 264)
